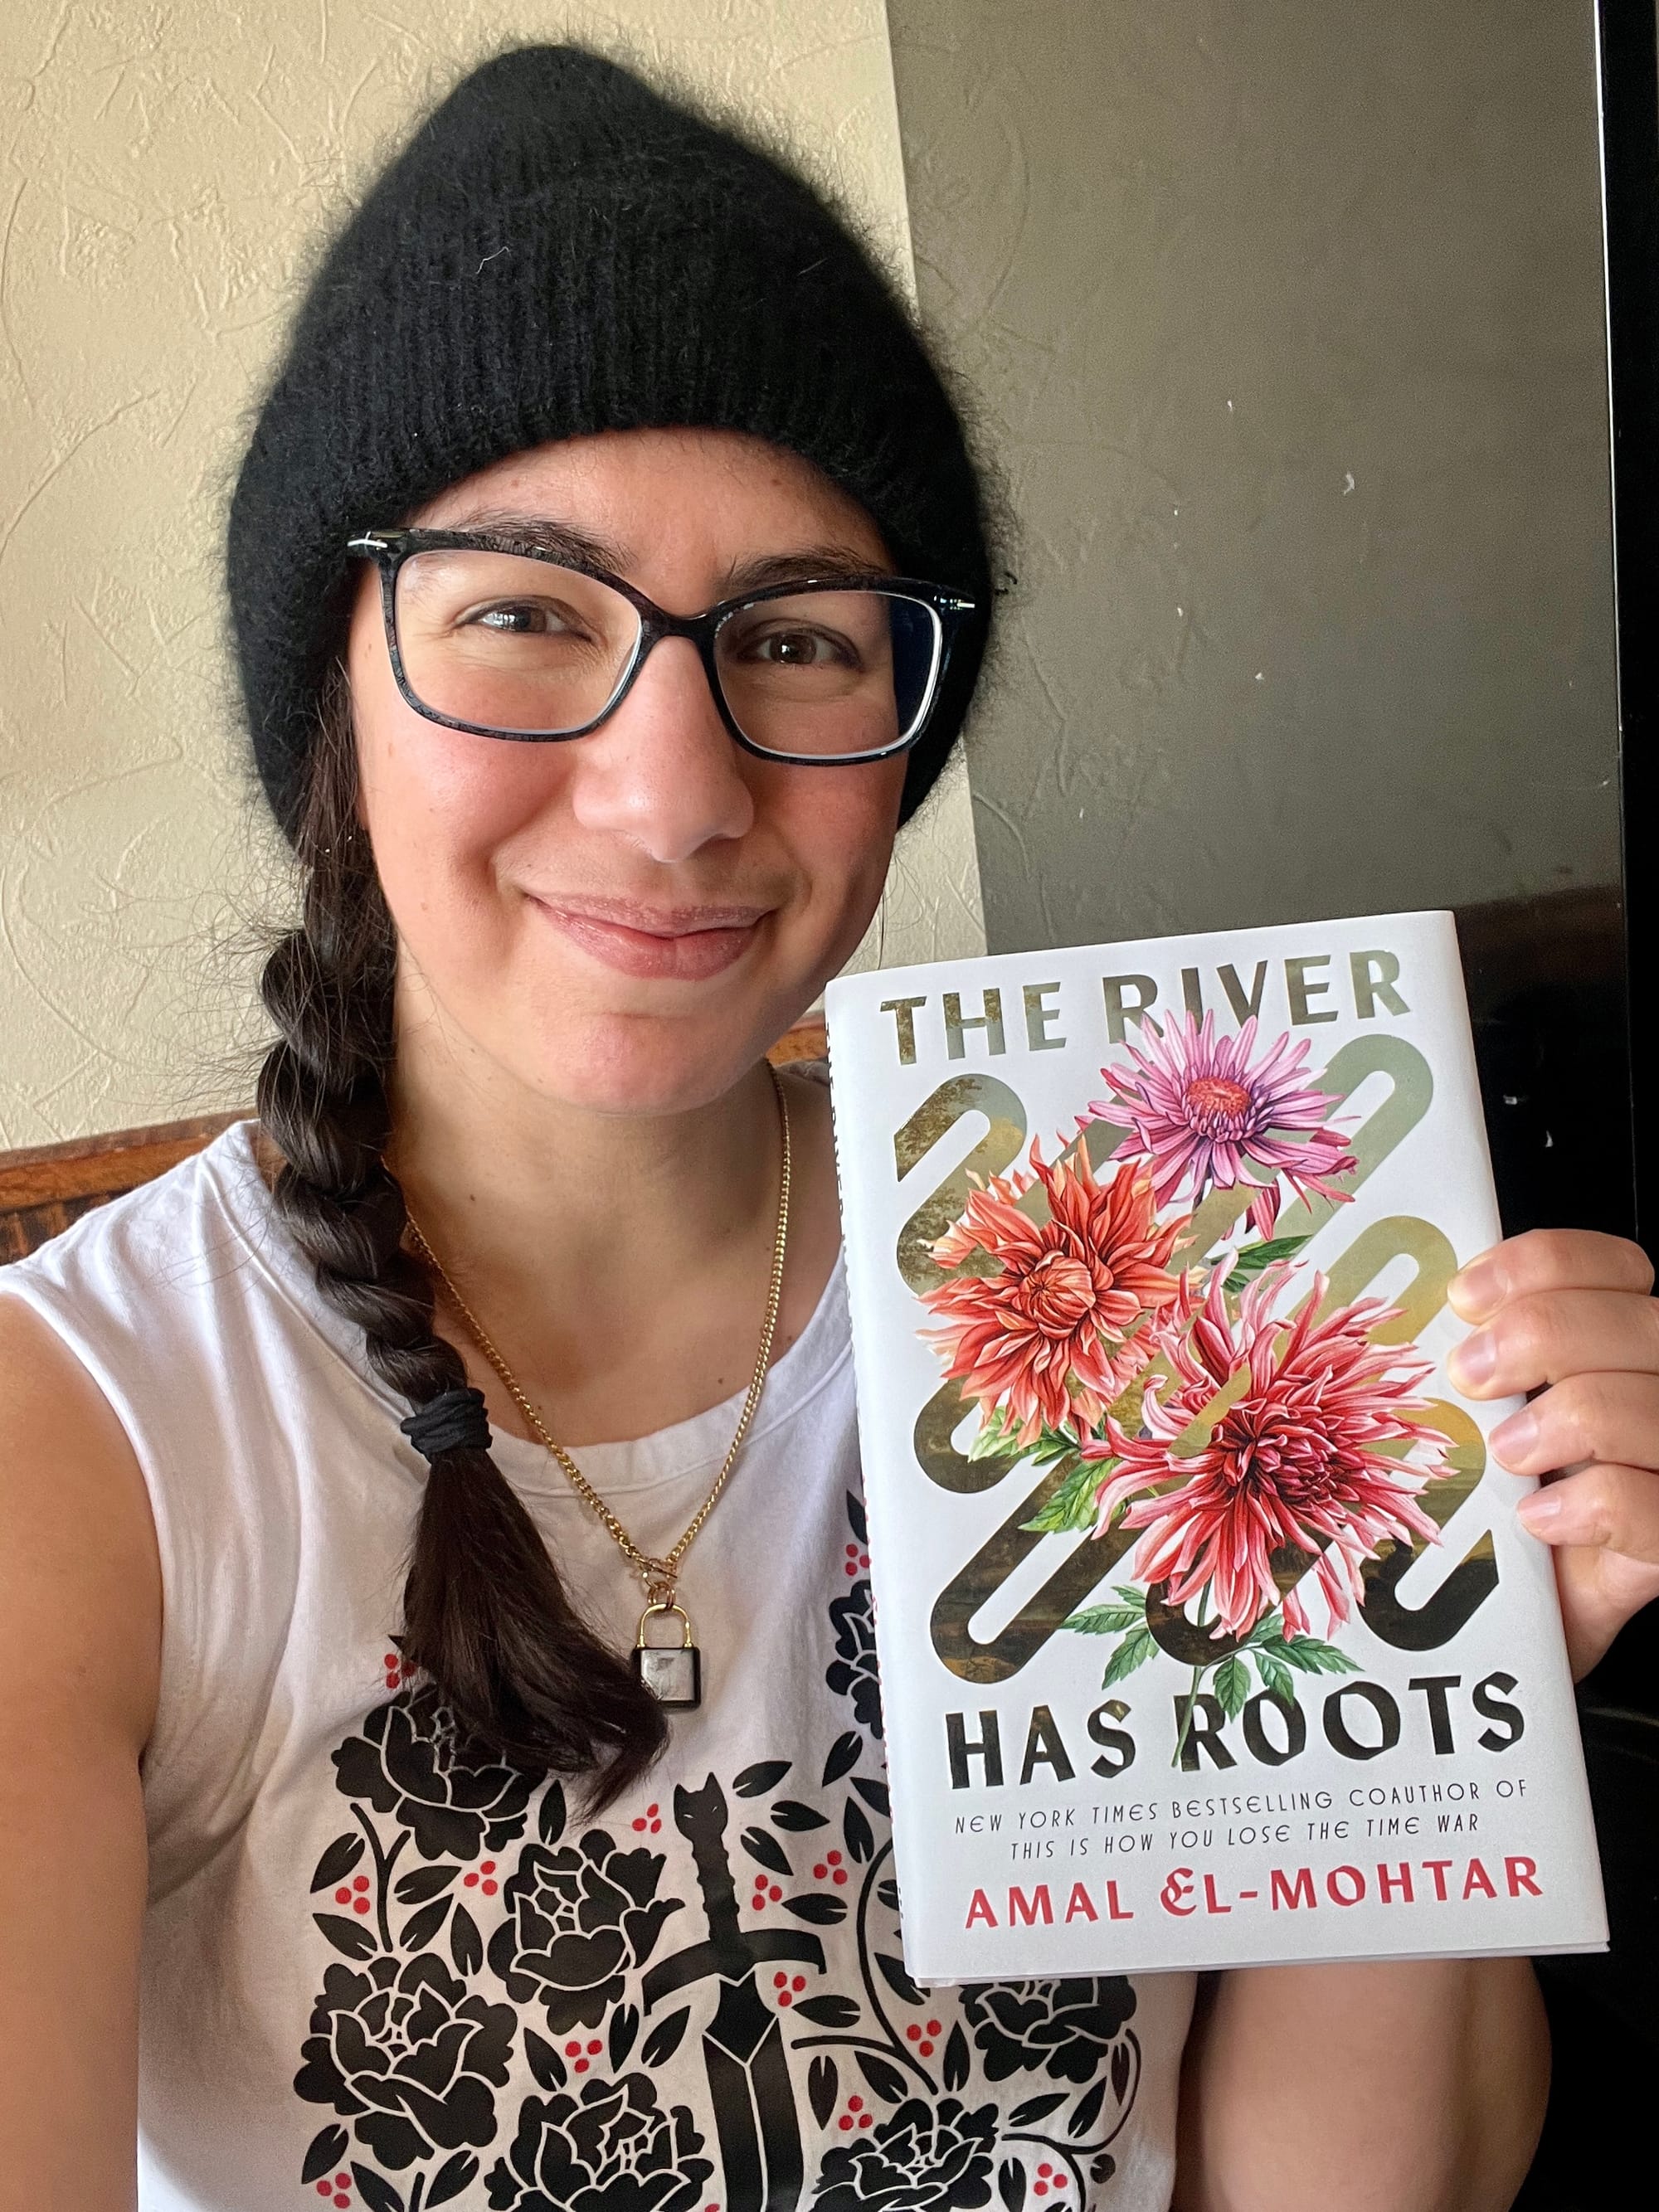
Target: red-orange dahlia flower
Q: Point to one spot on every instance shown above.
(1305, 1457)
(1054, 1331)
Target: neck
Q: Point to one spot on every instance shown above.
(619, 1262)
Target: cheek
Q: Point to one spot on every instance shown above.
(438, 806)
(839, 825)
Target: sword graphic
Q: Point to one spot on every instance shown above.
(742, 2050)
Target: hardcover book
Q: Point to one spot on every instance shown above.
(1207, 1634)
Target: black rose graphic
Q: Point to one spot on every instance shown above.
(410, 1761)
(852, 1673)
(406, 2053)
(1065, 2026)
(578, 1917)
(924, 2159)
(609, 2149)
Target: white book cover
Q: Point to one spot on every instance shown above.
(1208, 1636)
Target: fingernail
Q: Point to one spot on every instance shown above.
(1540, 1510)
(1475, 1291)
(1512, 1440)
(1473, 1360)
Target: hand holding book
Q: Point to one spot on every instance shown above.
(1569, 1315)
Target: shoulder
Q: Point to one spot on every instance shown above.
(80, 1574)
(164, 1283)
(150, 1233)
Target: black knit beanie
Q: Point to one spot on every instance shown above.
(559, 249)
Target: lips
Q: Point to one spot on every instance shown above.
(687, 943)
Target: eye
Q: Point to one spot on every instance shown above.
(522, 619)
(797, 648)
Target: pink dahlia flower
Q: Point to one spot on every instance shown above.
(1046, 1334)
(1203, 1115)
(1306, 1457)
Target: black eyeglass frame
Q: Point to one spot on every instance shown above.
(390, 548)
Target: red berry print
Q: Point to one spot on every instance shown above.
(360, 1902)
(799, 1983)
(837, 1871)
(820, 1872)
(650, 1819)
(775, 1893)
(342, 1897)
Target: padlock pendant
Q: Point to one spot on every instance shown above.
(671, 1672)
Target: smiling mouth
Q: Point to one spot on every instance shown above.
(686, 944)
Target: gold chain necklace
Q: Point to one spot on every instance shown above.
(672, 1673)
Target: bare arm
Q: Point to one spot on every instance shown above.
(1407, 2087)
(79, 1640)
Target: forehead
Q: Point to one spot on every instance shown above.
(708, 499)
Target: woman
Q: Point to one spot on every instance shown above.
(429, 1898)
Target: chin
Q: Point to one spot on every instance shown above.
(653, 1063)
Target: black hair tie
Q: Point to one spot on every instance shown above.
(455, 1420)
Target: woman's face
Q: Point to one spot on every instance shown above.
(624, 921)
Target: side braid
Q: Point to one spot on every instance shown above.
(485, 1613)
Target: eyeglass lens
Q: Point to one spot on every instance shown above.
(522, 646)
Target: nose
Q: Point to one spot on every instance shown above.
(663, 771)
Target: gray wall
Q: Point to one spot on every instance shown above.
(1285, 324)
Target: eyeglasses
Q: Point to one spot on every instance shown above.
(495, 638)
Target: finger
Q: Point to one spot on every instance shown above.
(1539, 1338)
(1585, 1417)
(1608, 1508)
(1545, 1259)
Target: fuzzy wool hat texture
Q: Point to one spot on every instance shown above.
(558, 249)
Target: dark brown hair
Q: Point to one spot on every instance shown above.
(486, 1616)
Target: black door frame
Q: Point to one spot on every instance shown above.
(1628, 67)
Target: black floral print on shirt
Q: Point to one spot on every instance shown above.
(610, 2144)
(509, 1991)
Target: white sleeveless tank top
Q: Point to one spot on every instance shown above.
(376, 1976)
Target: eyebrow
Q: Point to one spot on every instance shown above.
(540, 533)
(809, 561)
(563, 541)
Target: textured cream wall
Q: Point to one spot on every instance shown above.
(165, 170)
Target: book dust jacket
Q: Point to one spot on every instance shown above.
(1207, 1633)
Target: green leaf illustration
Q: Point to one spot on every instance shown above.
(1051, 1446)
(1275, 1677)
(1314, 1657)
(996, 1438)
(1249, 1263)
(1073, 1505)
(1269, 1629)
(1232, 1686)
(1135, 1650)
(1106, 1620)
